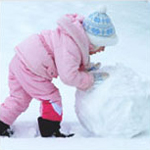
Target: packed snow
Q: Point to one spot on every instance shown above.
(21, 19)
(111, 108)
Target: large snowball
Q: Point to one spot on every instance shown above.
(117, 107)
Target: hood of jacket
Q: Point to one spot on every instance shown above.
(72, 24)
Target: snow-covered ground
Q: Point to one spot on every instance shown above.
(20, 19)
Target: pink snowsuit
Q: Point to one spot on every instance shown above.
(39, 59)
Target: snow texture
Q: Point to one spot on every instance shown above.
(116, 107)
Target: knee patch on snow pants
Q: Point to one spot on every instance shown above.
(51, 110)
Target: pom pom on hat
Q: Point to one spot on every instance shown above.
(102, 9)
(99, 28)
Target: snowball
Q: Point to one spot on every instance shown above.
(116, 107)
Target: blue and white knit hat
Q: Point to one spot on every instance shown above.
(100, 29)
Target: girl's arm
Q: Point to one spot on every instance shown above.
(68, 60)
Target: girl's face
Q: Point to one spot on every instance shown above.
(100, 49)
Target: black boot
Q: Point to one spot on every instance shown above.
(5, 129)
(50, 128)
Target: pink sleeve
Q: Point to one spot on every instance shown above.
(68, 61)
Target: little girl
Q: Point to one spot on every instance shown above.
(42, 57)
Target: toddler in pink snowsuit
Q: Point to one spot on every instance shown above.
(42, 57)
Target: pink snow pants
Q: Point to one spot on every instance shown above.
(25, 85)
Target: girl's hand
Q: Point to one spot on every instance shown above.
(100, 76)
(94, 67)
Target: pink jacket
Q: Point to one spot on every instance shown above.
(63, 52)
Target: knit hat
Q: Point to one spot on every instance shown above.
(100, 29)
